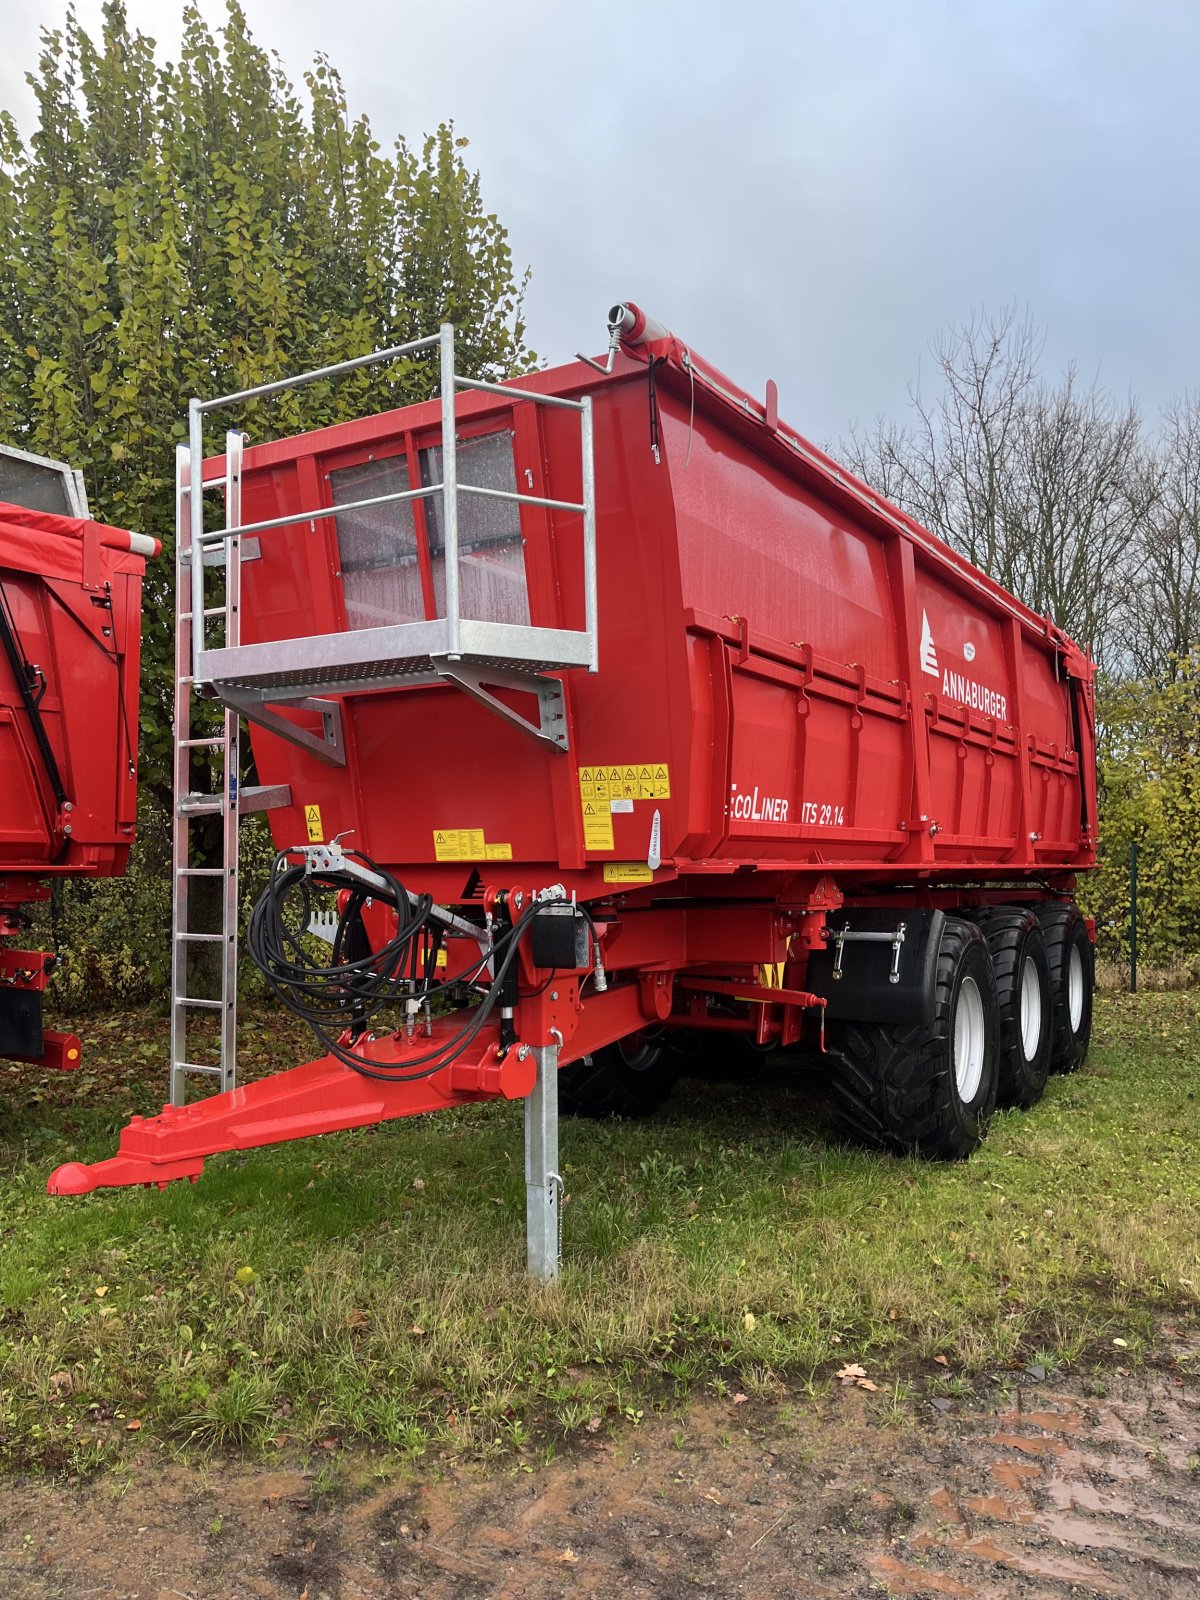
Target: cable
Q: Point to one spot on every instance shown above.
(355, 989)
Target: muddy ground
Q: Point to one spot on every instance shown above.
(1045, 1489)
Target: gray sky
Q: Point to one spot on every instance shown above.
(807, 191)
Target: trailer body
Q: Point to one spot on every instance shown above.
(70, 632)
(791, 675)
(681, 731)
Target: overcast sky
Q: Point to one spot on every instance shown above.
(803, 191)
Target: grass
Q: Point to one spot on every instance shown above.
(370, 1285)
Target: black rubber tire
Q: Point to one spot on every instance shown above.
(1015, 939)
(1067, 936)
(631, 1078)
(895, 1084)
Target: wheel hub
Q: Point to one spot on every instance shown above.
(1075, 988)
(1031, 1009)
(970, 1039)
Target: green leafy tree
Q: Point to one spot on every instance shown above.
(1149, 759)
(199, 227)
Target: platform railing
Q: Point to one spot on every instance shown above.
(318, 661)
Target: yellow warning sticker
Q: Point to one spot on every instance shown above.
(597, 824)
(646, 780)
(459, 844)
(312, 821)
(467, 844)
(627, 872)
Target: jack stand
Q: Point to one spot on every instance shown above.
(543, 1185)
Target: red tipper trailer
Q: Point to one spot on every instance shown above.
(70, 638)
(632, 721)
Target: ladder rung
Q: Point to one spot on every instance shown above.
(194, 1000)
(201, 744)
(201, 1072)
(209, 613)
(199, 872)
(204, 938)
(201, 804)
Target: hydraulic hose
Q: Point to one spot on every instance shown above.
(355, 990)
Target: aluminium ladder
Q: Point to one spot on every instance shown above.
(219, 800)
(224, 798)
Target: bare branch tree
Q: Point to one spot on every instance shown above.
(1072, 510)
(1041, 487)
(1162, 612)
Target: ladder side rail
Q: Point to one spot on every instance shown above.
(231, 821)
(196, 532)
(450, 494)
(180, 822)
(588, 464)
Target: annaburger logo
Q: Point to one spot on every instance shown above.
(929, 660)
(954, 685)
(969, 693)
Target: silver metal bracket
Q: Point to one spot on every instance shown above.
(327, 746)
(264, 797)
(322, 858)
(841, 937)
(551, 727)
(214, 555)
(615, 328)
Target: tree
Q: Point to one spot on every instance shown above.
(1074, 510)
(195, 228)
(1149, 761)
(951, 467)
(1162, 614)
(1038, 485)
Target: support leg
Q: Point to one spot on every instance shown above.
(542, 1182)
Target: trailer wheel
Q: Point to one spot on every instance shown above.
(631, 1078)
(1072, 980)
(930, 1089)
(1024, 999)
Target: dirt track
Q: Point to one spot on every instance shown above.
(1052, 1493)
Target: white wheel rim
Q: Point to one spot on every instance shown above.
(1031, 1010)
(970, 1038)
(1075, 988)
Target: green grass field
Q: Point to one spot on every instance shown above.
(370, 1285)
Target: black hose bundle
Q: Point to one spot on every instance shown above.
(359, 986)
